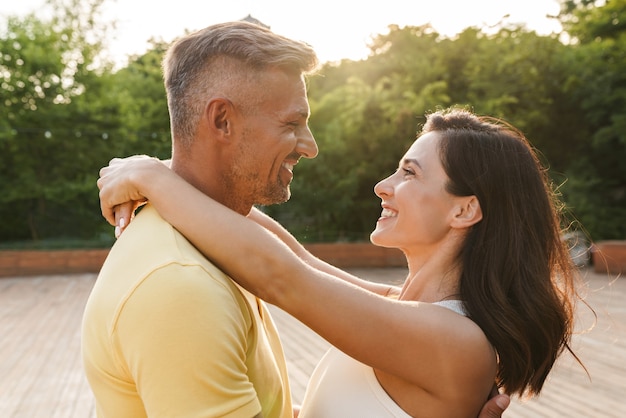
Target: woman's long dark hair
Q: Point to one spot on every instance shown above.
(517, 280)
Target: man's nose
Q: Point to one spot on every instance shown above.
(307, 147)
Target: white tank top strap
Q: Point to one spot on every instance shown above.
(454, 305)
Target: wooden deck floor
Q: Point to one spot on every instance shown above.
(41, 374)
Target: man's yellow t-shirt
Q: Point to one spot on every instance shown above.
(167, 334)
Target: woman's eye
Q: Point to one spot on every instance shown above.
(408, 172)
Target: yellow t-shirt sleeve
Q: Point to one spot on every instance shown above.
(185, 338)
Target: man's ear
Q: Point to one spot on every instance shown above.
(218, 116)
(467, 213)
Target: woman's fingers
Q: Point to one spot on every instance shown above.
(123, 215)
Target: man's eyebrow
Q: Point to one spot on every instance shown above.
(299, 114)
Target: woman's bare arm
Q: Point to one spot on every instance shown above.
(286, 237)
(125, 211)
(386, 334)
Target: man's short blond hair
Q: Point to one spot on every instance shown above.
(219, 59)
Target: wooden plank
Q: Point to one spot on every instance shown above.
(40, 370)
(41, 373)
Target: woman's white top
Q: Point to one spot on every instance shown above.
(342, 387)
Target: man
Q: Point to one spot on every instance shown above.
(165, 332)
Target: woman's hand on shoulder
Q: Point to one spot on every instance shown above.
(122, 187)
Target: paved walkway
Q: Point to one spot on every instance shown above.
(41, 375)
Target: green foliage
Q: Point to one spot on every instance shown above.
(597, 85)
(140, 94)
(66, 113)
(365, 115)
(590, 20)
(47, 170)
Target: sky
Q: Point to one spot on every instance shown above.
(336, 29)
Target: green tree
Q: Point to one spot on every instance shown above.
(49, 143)
(67, 112)
(139, 93)
(519, 76)
(596, 82)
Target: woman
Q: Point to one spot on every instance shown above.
(490, 289)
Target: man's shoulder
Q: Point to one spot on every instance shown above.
(150, 243)
(193, 269)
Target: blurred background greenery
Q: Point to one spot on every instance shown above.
(66, 111)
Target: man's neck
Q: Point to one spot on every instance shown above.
(209, 184)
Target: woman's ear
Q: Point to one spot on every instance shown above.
(468, 212)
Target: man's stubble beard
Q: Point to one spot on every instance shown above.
(274, 194)
(246, 189)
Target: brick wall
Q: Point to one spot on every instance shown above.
(609, 257)
(32, 263)
(358, 255)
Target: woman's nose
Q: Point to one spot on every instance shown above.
(383, 187)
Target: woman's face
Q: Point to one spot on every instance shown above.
(416, 207)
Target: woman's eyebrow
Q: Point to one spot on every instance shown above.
(413, 161)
